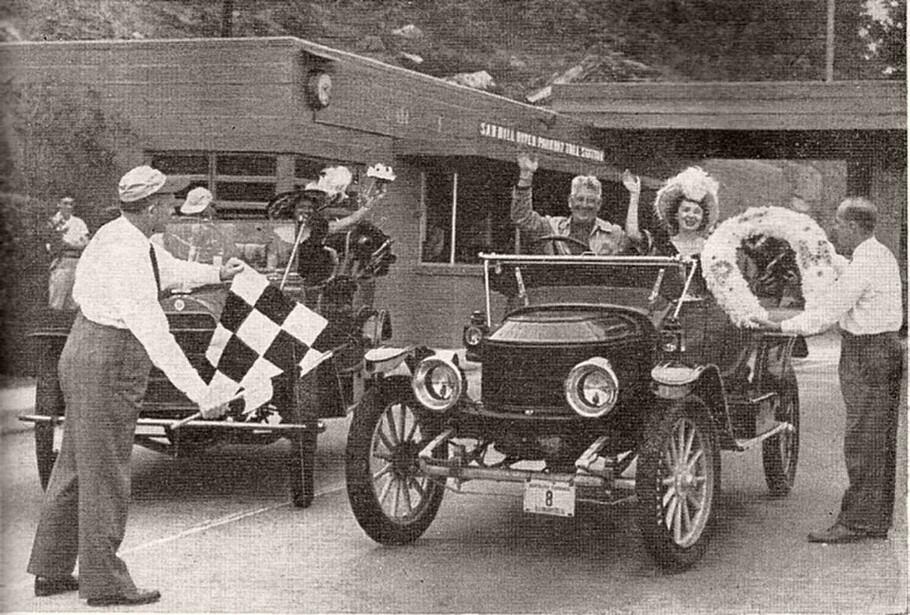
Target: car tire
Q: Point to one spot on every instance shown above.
(48, 402)
(676, 500)
(391, 500)
(780, 453)
(301, 466)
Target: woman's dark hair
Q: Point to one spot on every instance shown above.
(673, 210)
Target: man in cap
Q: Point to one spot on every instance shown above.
(119, 333)
(198, 203)
(865, 302)
(584, 226)
(70, 238)
(195, 237)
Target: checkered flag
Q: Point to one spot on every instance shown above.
(259, 335)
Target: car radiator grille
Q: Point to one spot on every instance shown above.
(193, 332)
(519, 377)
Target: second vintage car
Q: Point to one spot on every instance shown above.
(609, 379)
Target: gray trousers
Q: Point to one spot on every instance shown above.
(103, 373)
(870, 373)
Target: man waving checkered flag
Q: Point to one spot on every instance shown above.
(261, 334)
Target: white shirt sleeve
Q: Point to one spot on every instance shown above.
(837, 301)
(175, 272)
(143, 316)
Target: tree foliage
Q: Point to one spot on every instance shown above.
(58, 142)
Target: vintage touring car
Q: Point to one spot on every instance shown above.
(607, 378)
(336, 279)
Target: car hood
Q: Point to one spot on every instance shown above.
(574, 323)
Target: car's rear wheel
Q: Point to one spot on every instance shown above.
(677, 483)
(48, 402)
(391, 499)
(780, 453)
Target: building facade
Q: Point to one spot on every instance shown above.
(251, 117)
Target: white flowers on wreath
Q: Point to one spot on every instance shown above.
(815, 257)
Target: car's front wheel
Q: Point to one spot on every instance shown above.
(677, 483)
(391, 499)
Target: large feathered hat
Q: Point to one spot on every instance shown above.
(693, 184)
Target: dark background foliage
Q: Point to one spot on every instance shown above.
(57, 143)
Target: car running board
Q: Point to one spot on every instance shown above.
(318, 426)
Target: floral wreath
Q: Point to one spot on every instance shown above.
(814, 257)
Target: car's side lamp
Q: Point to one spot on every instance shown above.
(671, 337)
(474, 333)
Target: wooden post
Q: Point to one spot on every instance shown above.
(227, 17)
(829, 44)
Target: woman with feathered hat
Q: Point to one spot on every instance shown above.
(687, 209)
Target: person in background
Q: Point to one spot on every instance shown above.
(198, 203)
(70, 238)
(865, 302)
(583, 225)
(119, 333)
(687, 209)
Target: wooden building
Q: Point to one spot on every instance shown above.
(857, 126)
(250, 117)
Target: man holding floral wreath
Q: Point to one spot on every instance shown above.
(866, 302)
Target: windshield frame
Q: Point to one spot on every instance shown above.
(490, 260)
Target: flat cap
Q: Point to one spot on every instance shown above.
(144, 181)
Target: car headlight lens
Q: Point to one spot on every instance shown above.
(473, 335)
(592, 388)
(437, 383)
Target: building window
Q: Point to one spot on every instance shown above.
(466, 211)
(242, 183)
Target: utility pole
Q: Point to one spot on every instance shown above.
(829, 44)
(227, 17)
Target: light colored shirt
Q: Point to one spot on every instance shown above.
(865, 299)
(75, 232)
(115, 286)
(604, 239)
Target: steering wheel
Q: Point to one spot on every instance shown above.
(564, 239)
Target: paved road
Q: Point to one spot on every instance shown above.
(216, 533)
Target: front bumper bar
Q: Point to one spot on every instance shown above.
(458, 468)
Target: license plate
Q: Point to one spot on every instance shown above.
(546, 497)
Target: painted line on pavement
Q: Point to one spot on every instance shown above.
(199, 529)
(223, 521)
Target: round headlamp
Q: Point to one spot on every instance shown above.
(437, 383)
(592, 388)
(472, 335)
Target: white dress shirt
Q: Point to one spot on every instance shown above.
(115, 287)
(866, 299)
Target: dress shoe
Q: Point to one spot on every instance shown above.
(140, 596)
(51, 586)
(838, 533)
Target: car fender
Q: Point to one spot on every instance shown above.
(673, 381)
(385, 359)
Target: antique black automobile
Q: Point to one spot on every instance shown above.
(609, 379)
(339, 287)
